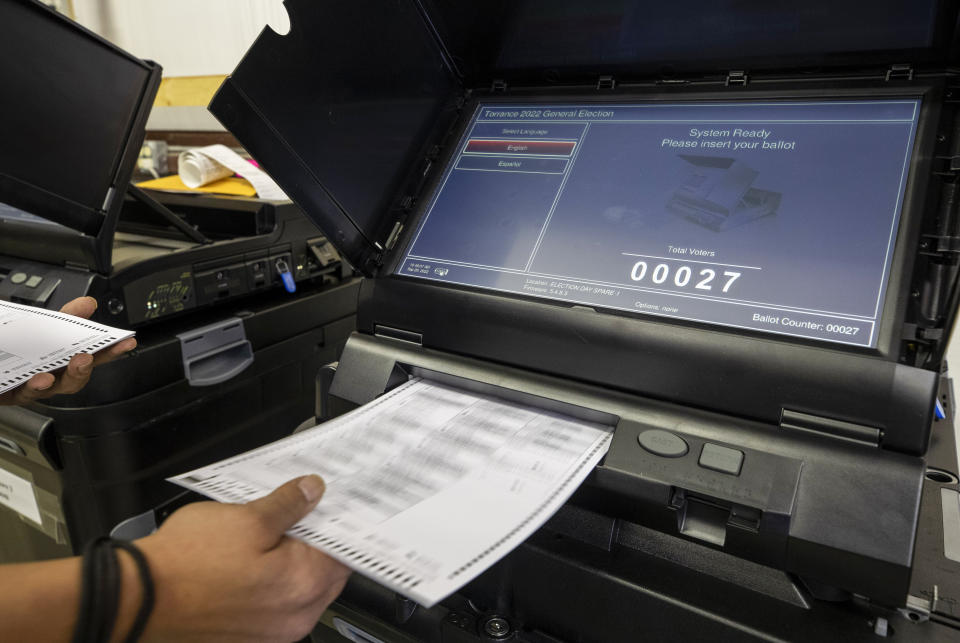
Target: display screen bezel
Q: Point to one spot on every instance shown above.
(915, 194)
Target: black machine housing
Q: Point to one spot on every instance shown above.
(226, 356)
(70, 222)
(74, 170)
(155, 274)
(357, 110)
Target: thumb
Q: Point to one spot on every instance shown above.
(287, 504)
(80, 307)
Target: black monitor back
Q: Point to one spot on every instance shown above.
(73, 119)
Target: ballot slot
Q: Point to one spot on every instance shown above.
(513, 395)
(372, 366)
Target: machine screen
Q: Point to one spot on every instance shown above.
(776, 216)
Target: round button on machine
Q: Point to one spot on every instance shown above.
(663, 443)
(18, 277)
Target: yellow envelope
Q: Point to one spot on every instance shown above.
(234, 186)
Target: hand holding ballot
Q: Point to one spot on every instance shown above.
(413, 476)
(228, 571)
(72, 377)
(220, 573)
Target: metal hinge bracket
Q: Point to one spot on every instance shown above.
(398, 334)
(918, 609)
(737, 78)
(606, 82)
(838, 429)
(394, 235)
(903, 71)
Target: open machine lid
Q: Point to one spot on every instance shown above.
(341, 110)
(73, 118)
(566, 41)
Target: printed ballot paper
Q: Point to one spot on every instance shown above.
(427, 486)
(33, 340)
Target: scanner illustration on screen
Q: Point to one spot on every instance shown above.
(717, 193)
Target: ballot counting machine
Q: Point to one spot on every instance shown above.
(70, 222)
(731, 226)
(236, 302)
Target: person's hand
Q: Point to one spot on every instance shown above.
(228, 573)
(75, 375)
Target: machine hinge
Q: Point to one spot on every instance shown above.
(910, 332)
(917, 333)
(107, 200)
(498, 86)
(946, 166)
(606, 82)
(932, 244)
(839, 429)
(372, 259)
(398, 334)
(737, 78)
(394, 235)
(918, 609)
(903, 71)
(75, 265)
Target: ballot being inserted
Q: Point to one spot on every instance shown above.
(34, 340)
(427, 486)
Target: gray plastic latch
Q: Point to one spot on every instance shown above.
(135, 527)
(215, 353)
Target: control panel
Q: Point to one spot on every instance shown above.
(152, 292)
(160, 294)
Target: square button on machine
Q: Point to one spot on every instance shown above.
(723, 459)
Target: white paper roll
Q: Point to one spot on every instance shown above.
(206, 164)
(196, 169)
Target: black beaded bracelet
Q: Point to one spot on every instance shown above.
(109, 599)
(146, 582)
(100, 592)
(84, 627)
